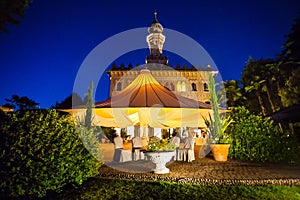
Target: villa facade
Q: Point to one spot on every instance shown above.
(190, 82)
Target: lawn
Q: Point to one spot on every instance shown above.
(99, 188)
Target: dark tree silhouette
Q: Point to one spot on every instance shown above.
(11, 11)
(73, 100)
(20, 103)
(291, 51)
(290, 94)
(234, 93)
(267, 73)
(289, 62)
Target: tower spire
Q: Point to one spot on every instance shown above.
(155, 17)
(156, 40)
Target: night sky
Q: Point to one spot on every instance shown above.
(40, 57)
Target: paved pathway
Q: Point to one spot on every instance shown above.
(208, 172)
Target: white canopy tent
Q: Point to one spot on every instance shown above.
(147, 103)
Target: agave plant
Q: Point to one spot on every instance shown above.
(217, 125)
(216, 137)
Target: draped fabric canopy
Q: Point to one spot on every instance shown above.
(147, 103)
(145, 91)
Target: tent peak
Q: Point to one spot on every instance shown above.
(145, 71)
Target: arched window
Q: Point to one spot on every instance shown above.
(178, 86)
(207, 101)
(167, 85)
(205, 87)
(172, 87)
(194, 87)
(183, 87)
(119, 86)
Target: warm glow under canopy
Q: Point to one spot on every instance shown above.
(147, 103)
(154, 117)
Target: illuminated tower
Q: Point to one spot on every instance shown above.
(155, 40)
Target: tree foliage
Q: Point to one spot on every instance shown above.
(234, 93)
(89, 134)
(289, 64)
(291, 47)
(71, 101)
(110, 133)
(20, 103)
(290, 94)
(261, 78)
(274, 84)
(11, 11)
(41, 151)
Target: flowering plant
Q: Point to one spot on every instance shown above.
(157, 144)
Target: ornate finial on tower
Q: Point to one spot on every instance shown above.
(155, 17)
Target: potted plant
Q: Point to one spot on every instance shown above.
(160, 151)
(220, 141)
(217, 126)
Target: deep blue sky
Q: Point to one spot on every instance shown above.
(40, 57)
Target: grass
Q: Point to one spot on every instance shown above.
(99, 188)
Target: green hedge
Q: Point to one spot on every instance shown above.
(41, 151)
(258, 138)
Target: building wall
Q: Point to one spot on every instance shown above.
(189, 83)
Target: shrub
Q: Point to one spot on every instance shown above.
(110, 133)
(41, 151)
(257, 138)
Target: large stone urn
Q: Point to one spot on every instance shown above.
(160, 159)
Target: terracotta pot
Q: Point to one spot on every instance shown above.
(220, 152)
